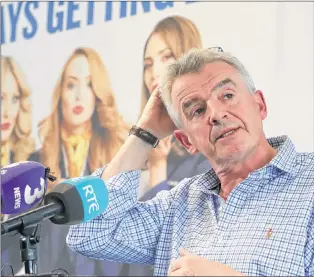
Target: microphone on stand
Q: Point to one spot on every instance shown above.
(23, 186)
(70, 202)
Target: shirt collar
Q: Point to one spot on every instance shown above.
(284, 161)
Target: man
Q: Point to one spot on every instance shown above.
(252, 214)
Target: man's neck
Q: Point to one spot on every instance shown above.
(234, 173)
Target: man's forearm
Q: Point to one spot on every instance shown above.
(131, 156)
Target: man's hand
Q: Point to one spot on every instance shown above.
(155, 118)
(192, 265)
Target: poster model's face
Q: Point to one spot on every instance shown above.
(78, 98)
(157, 56)
(10, 105)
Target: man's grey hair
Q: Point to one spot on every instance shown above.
(193, 62)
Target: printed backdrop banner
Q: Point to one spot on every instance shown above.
(76, 75)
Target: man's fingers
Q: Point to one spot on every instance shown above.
(174, 265)
(157, 92)
(182, 272)
(184, 252)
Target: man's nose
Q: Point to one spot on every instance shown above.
(217, 112)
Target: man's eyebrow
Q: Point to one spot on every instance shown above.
(223, 83)
(189, 103)
(186, 105)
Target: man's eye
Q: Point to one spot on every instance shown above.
(198, 111)
(228, 96)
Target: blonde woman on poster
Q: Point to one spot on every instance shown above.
(17, 143)
(170, 38)
(16, 114)
(84, 129)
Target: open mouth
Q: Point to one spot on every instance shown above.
(227, 134)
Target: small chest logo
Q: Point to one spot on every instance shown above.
(269, 233)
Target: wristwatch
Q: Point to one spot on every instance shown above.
(144, 135)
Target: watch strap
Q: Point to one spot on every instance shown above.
(144, 135)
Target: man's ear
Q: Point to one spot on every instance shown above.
(260, 100)
(184, 140)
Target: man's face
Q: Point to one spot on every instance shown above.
(220, 117)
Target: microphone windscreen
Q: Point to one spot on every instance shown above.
(92, 194)
(23, 185)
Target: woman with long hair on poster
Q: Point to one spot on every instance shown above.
(84, 130)
(82, 133)
(17, 143)
(170, 38)
(16, 114)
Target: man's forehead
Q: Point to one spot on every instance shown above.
(209, 75)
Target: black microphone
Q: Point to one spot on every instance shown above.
(71, 202)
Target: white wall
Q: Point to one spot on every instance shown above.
(291, 105)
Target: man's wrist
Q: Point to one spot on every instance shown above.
(144, 135)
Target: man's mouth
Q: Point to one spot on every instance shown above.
(226, 134)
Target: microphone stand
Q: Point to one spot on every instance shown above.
(28, 243)
(28, 247)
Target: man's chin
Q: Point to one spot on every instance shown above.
(230, 154)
